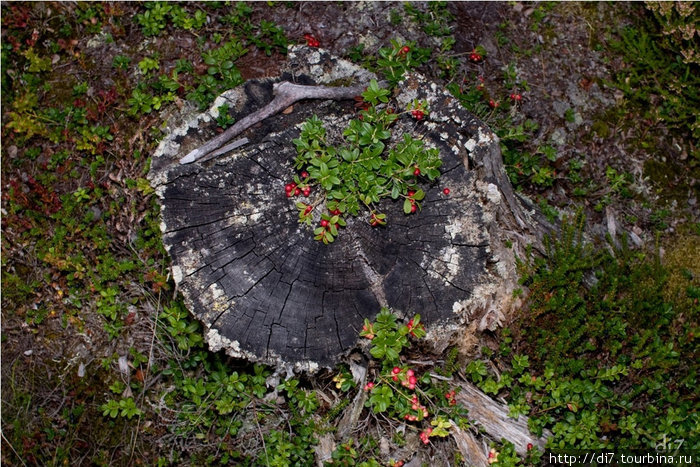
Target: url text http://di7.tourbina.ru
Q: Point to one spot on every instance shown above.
(574, 457)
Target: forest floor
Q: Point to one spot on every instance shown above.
(101, 363)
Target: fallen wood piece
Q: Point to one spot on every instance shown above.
(286, 94)
(473, 451)
(493, 418)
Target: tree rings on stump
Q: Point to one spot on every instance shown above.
(266, 290)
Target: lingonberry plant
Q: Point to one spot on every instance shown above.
(354, 177)
(397, 389)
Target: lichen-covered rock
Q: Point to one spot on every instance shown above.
(268, 292)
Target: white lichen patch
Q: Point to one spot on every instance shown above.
(493, 194)
(455, 228)
(233, 348)
(314, 57)
(486, 138)
(310, 367)
(470, 145)
(460, 309)
(177, 274)
(446, 266)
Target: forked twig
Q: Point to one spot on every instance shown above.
(286, 94)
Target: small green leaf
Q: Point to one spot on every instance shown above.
(407, 206)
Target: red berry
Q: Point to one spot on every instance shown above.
(305, 174)
(529, 446)
(446, 191)
(412, 380)
(418, 114)
(297, 191)
(308, 209)
(405, 49)
(324, 223)
(396, 370)
(493, 104)
(414, 208)
(411, 193)
(416, 172)
(307, 191)
(289, 187)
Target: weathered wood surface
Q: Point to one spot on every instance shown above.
(492, 417)
(265, 290)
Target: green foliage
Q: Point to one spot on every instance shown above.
(158, 14)
(663, 67)
(358, 175)
(266, 36)
(224, 120)
(222, 73)
(591, 357)
(122, 408)
(434, 21)
(399, 391)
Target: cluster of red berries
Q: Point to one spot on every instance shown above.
(412, 327)
(414, 208)
(291, 189)
(369, 386)
(493, 104)
(408, 378)
(311, 41)
(475, 56)
(450, 396)
(516, 97)
(418, 407)
(425, 434)
(418, 114)
(326, 223)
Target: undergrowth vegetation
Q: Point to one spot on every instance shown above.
(599, 356)
(102, 363)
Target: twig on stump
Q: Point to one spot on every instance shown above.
(286, 94)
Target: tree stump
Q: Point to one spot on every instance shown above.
(265, 290)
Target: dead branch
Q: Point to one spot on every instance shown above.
(286, 94)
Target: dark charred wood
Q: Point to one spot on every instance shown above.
(265, 290)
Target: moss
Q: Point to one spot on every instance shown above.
(671, 180)
(682, 260)
(601, 129)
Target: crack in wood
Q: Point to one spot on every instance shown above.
(258, 281)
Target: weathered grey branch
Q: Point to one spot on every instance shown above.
(493, 418)
(286, 94)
